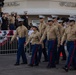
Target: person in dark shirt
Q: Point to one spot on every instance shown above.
(16, 20)
(4, 25)
(25, 17)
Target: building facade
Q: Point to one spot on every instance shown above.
(36, 7)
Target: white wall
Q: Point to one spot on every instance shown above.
(40, 7)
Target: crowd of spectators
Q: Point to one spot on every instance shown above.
(10, 21)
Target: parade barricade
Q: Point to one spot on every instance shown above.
(5, 46)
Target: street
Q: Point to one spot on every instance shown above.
(7, 67)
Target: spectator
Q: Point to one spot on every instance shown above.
(0, 22)
(25, 17)
(4, 25)
(29, 26)
(0, 25)
(16, 20)
(12, 22)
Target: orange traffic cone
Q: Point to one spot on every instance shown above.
(61, 54)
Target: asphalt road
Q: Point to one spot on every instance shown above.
(7, 67)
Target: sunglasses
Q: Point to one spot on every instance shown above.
(50, 21)
(41, 18)
(71, 21)
(54, 18)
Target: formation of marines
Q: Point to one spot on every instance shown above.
(50, 40)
